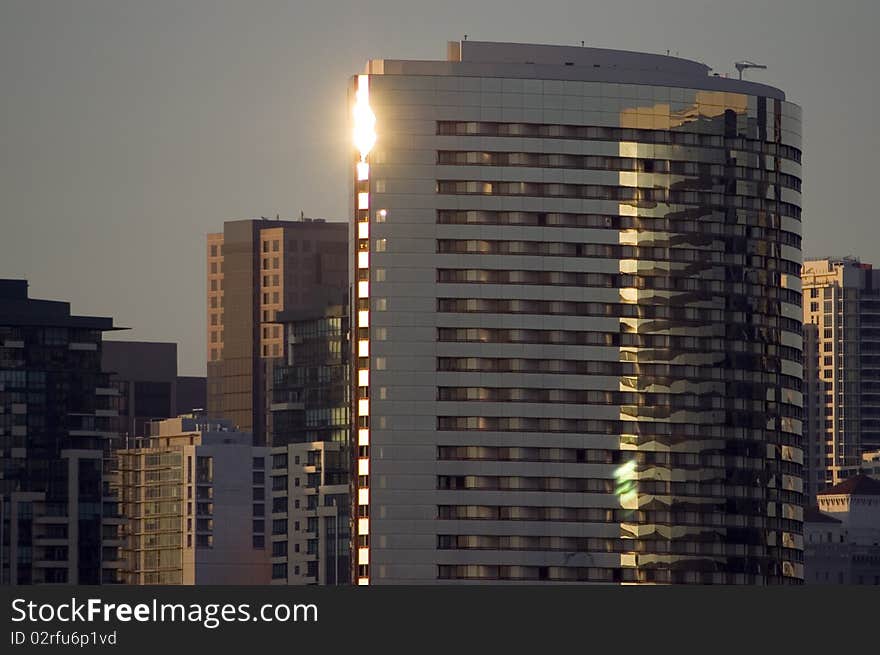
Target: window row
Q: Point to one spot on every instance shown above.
(761, 314)
(752, 425)
(732, 342)
(738, 513)
(662, 282)
(733, 197)
(755, 225)
(706, 256)
(680, 575)
(656, 371)
(684, 545)
(705, 488)
(748, 456)
(597, 133)
(608, 163)
(667, 401)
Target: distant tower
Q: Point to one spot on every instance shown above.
(257, 269)
(841, 372)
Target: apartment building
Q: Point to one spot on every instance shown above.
(257, 269)
(577, 321)
(841, 368)
(194, 495)
(58, 517)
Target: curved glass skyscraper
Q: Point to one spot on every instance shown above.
(577, 320)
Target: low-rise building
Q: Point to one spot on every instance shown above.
(310, 514)
(842, 534)
(194, 495)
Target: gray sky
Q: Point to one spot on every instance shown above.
(130, 128)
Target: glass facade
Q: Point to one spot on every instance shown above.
(311, 463)
(57, 420)
(257, 269)
(583, 327)
(311, 390)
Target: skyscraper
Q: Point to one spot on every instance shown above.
(841, 368)
(577, 335)
(58, 519)
(257, 268)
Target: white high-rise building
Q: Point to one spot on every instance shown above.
(577, 322)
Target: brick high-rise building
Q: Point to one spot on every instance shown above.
(256, 269)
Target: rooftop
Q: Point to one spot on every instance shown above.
(192, 422)
(16, 309)
(813, 515)
(860, 485)
(13, 289)
(555, 62)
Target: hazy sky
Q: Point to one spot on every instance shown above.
(130, 128)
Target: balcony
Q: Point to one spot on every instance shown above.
(51, 564)
(82, 346)
(106, 391)
(51, 541)
(286, 406)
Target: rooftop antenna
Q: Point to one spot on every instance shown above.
(742, 65)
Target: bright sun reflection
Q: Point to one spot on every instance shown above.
(364, 118)
(625, 487)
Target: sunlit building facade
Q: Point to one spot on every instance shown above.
(841, 368)
(257, 269)
(194, 495)
(577, 321)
